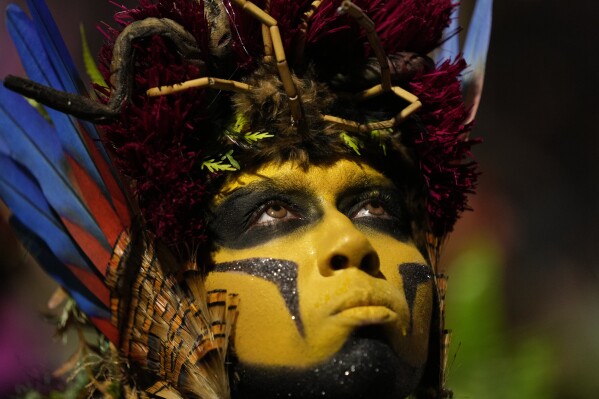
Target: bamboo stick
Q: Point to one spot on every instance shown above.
(209, 82)
(368, 25)
(257, 12)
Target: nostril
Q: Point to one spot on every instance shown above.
(370, 263)
(339, 262)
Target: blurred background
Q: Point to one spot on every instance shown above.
(523, 299)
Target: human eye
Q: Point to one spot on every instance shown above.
(274, 212)
(251, 217)
(372, 208)
(379, 209)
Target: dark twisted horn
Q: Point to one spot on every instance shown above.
(120, 72)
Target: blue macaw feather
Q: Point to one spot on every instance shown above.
(60, 57)
(477, 41)
(55, 47)
(32, 142)
(450, 49)
(25, 199)
(86, 301)
(476, 47)
(46, 69)
(3, 147)
(30, 47)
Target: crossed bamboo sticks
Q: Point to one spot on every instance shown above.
(273, 47)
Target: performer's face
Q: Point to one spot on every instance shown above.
(330, 283)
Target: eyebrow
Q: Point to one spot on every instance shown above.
(285, 185)
(263, 187)
(367, 183)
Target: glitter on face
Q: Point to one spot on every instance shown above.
(413, 274)
(281, 272)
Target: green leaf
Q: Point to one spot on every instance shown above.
(256, 136)
(380, 135)
(240, 123)
(351, 142)
(217, 166)
(90, 65)
(232, 161)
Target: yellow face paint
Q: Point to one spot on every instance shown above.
(317, 256)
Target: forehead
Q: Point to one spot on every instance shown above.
(329, 180)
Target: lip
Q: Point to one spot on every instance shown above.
(365, 307)
(366, 315)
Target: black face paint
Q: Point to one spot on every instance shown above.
(365, 367)
(233, 225)
(231, 222)
(413, 274)
(281, 272)
(396, 222)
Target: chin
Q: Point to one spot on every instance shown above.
(365, 367)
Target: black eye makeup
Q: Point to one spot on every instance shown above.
(379, 208)
(273, 212)
(262, 211)
(259, 213)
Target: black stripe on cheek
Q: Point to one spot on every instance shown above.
(282, 273)
(413, 274)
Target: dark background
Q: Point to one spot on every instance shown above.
(538, 198)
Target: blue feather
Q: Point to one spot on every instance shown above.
(86, 301)
(46, 69)
(59, 55)
(3, 147)
(477, 41)
(27, 202)
(450, 49)
(56, 49)
(29, 208)
(60, 58)
(476, 48)
(30, 47)
(32, 142)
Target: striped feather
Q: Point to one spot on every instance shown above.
(179, 336)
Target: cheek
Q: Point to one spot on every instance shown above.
(414, 346)
(405, 268)
(265, 331)
(393, 254)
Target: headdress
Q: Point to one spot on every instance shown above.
(199, 89)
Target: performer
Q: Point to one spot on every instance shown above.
(257, 207)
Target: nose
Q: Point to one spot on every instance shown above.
(340, 245)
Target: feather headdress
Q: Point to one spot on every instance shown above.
(200, 88)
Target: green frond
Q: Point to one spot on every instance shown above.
(351, 142)
(217, 166)
(229, 157)
(381, 135)
(256, 136)
(90, 65)
(240, 124)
